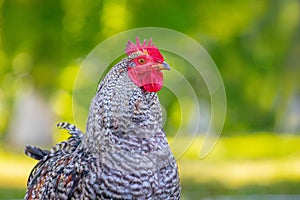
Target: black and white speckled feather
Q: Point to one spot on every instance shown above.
(124, 153)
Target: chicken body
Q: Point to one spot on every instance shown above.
(123, 155)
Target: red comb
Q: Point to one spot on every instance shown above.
(131, 47)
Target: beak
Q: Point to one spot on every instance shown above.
(162, 66)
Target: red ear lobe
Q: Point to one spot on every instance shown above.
(134, 77)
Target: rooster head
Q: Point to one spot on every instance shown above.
(144, 69)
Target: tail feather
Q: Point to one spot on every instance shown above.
(68, 145)
(73, 130)
(35, 152)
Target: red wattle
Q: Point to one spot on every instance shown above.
(151, 80)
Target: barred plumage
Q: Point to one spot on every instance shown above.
(124, 153)
(73, 130)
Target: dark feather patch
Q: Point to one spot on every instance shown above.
(35, 152)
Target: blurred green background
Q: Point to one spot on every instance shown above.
(254, 43)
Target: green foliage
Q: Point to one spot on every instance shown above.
(242, 147)
(11, 193)
(253, 43)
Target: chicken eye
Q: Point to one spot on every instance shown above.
(141, 61)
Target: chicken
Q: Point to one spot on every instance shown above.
(124, 153)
